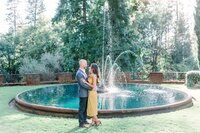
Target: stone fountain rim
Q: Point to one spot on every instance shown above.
(68, 112)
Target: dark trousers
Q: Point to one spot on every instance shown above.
(82, 114)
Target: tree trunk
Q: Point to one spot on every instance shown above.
(15, 21)
(113, 5)
(197, 27)
(35, 14)
(84, 11)
(9, 64)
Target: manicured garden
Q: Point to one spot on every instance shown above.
(133, 41)
(180, 121)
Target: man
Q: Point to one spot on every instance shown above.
(83, 93)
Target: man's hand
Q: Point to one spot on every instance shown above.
(83, 80)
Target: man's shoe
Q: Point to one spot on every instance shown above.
(84, 126)
(86, 122)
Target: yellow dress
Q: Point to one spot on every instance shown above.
(92, 107)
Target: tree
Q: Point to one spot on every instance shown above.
(48, 65)
(13, 17)
(42, 39)
(182, 54)
(166, 38)
(154, 26)
(82, 31)
(86, 29)
(197, 25)
(119, 26)
(35, 9)
(9, 57)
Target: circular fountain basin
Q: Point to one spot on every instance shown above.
(63, 100)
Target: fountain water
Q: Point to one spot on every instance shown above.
(111, 73)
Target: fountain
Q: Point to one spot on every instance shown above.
(135, 99)
(117, 97)
(112, 74)
(110, 71)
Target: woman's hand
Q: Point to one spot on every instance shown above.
(83, 80)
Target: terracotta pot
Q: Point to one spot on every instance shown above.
(1, 79)
(156, 77)
(65, 77)
(32, 79)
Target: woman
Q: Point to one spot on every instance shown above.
(92, 107)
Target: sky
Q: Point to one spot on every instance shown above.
(50, 6)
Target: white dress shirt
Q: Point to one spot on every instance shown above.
(85, 75)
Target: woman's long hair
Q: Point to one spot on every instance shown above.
(95, 70)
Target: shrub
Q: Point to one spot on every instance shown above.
(46, 67)
(192, 78)
(52, 62)
(30, 65)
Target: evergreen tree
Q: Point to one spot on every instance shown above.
(85, 25)
(13, 17)
(197, 25)
(35, 9)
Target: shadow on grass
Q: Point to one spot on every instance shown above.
(82, 130)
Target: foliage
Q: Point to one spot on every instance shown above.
(158, 34)
(183, 54)
(35, 8)
(192, 78)
(52, 63)
(81, 38)
(48, 65)
(153, 25)
(42, 39)
(31, 66)
(13, 17)
(165, 38)
(197, 25)
(9, 53)
(85, 35)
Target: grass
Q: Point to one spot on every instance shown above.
(181, 121)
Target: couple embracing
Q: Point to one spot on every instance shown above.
(88, 105)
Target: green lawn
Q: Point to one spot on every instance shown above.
(181, 121)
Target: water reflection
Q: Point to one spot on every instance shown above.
(132, 96)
